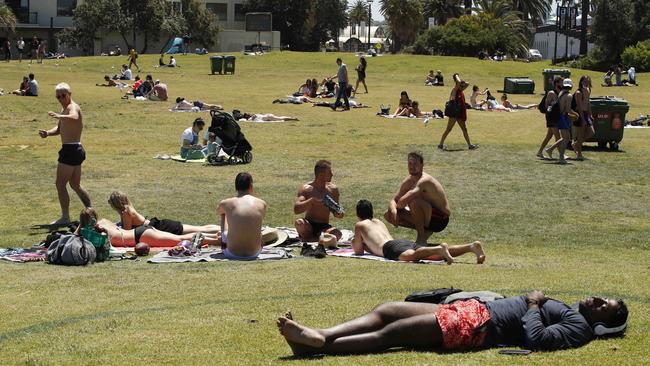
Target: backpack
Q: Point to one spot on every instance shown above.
(553, 111)
(542, 104)
(71, 250)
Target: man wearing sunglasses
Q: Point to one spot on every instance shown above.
(71, 155)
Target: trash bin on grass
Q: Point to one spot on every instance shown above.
(549, 75)
(609, 120)
(216, 64)
(518, 85)
(228, 64)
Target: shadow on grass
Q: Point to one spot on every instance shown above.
(440, 351)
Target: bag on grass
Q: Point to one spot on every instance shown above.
(435, 296)
(71, 250)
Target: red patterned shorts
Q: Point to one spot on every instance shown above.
(462, 324)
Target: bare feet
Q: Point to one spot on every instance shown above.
(478, 250)
(445, 253)
(549, 152)
(298, 334)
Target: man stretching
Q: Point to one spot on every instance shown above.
(420, 203)
(371, 235)
(241, 221)
(532, 321)
(71, 155)
(311, 199)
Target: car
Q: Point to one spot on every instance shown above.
(534, 55)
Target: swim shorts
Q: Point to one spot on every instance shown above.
(438, 221)
(463, 324)
(138, 231)
(170, 226)
(72, 154)
(564, 123)
(317, 227)
(587, 118)
(394, 248)
(198, 103)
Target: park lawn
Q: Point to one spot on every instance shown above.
(570, 231)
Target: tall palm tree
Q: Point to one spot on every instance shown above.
(7, 18)
(533, 10)
(442, 10)
(404, 17)
(518, 28)
(358, 13)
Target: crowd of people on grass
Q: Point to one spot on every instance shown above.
(419, 203)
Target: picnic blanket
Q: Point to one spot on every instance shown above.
(215, 255)
(178, 158)
(630, 126)
(194, 109)
(349, 253)
(22, 255)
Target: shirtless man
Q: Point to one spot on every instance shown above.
(371, 235)
(71, 155)
(310, 201)
(420, 203)
(241, 220)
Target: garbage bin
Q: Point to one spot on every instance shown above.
(216, 63)
(228, 64)
(518, 85)
(549, 75)
(609, 119)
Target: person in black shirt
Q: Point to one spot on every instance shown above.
(533, 321)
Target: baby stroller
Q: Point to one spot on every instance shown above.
(233, 141)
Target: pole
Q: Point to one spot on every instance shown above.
(557, 25)
(369, 21)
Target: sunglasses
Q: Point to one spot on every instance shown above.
(60, 96)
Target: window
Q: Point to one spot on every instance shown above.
(240, 16)
(64, 8)
(219, 9)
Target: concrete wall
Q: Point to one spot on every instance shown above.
(545, 42)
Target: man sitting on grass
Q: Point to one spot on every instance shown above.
(532, 321)
(371, 235)
(241, 221)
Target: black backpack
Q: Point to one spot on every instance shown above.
(542, 104)
(553, 112)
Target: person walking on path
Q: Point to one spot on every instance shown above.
(458, 97)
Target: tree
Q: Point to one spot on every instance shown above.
(441, 10)
(201, 23)
(612, 28)
(404, 18)
(467, 4)
(7, 18)
(358, 13)
(532, 10)
(501, 11)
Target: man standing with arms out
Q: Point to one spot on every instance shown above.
(241, 221)
(342, 75)
(311, 200)
(72, 154)
(420, 203)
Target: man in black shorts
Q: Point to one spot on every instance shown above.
(371, 235)
(311, 201)
(72, 153)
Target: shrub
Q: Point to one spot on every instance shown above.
(637, 56)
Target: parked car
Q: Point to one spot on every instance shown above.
(534, 55)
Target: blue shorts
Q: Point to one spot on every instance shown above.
(564, 123)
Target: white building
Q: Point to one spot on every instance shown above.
(355, 37)
(544, 41)
(44, 18)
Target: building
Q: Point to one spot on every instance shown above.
(44, 18)
(354, 38)
(568, 43)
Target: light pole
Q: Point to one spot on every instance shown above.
(369, 20)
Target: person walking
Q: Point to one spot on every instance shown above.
(458, 98)
(20, 47)
(342, 75)
(361, 75)
(133, 56)
(6, 48)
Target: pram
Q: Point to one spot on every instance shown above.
(233, 142)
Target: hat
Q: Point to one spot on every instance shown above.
(567, 83)
(272, 237)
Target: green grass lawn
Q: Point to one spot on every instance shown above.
(570, 231)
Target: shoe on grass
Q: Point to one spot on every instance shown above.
(472, 146)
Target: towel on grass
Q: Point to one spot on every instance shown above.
(215, 255)
(349, 253)
(630, 126)
(22, 255)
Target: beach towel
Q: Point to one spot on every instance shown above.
(630, 126)
(216, 255)
(349, 253)
(22, 255)
(178, 158)
(194, 109)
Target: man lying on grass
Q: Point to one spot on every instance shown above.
(371, 235)
(532, 321)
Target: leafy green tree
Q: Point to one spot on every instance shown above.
(7, 18)
(612, 28)
(200, 23)
(358, 13)
(517, 29)
(404, 18)
(532, 10)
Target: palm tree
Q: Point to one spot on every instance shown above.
(533, 10)
(7, 18)
(442, 10)
(358, 13)
(404, 18)
(518, 29)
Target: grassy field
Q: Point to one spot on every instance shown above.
(570, 231)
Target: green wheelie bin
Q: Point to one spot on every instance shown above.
(216, 64)
(549, 75)
(609, 119)
(518, 85)
(228, 64)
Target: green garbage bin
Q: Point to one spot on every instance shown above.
(228, 64)
(609, 119)
(216, 64)
(549, 75)
(518, 85)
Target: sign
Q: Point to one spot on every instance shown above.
(259, 22)
(432, 22)
(566, 17)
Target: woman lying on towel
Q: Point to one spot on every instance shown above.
(506, 103)
(142, 234)
(131, 218)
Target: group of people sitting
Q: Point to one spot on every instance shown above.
(409, 108)
(28, 87)
(171, 63)
(617, 72)
(434, 79)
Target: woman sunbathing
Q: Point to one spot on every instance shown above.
(109, 81)
(142, 234)
(506, 103)
(404, 108)
(131, 218)
(184, 105)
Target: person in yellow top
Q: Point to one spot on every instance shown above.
(133, 56)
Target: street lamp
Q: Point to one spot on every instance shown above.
(369, 20)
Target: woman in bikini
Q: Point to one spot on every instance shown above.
(404, 108)
(120, 237)
(131, 219)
